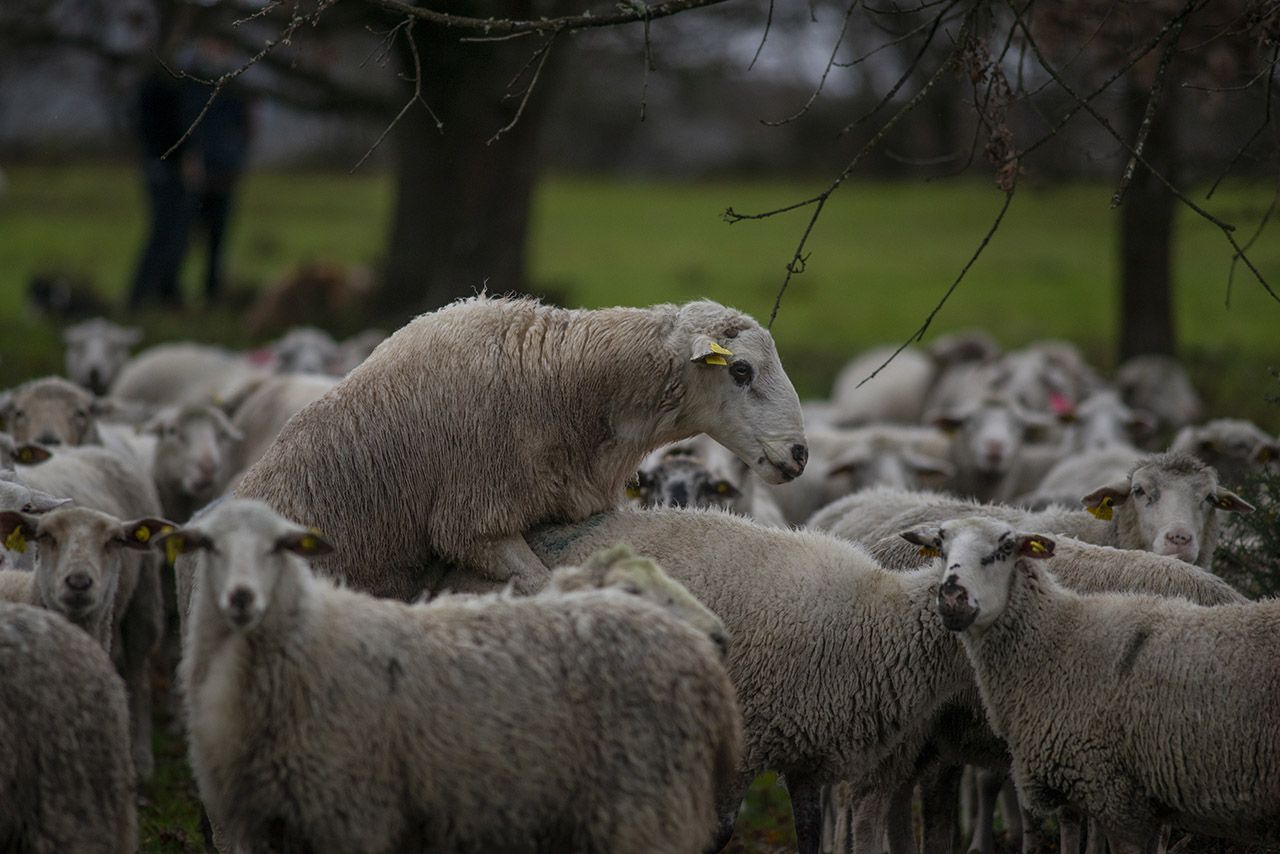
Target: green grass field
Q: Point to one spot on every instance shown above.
(882, 255)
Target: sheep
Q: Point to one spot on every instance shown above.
(1112, 677)
(477, 421)
(53, 411)
(23, 499)
(1077, 474)
(77, 573)
(306, 350)
(845, 461)
(192, 457)
(896, 394)
(180, 373)
(1160, 385)
(1103, 420)
(588, 721)
(354, 350)
(1176, 511)
(989, 451)
(96, 351)
(1235, 447)
(265, 411)
(701, 473)
(98, 479)
(67, 779)
(838, 664)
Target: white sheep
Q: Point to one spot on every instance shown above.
(99, 480)
(192, 457)
(307, 350)
(588, 721)
(896, 395)
(264, 412)
(843, 461)
(77, 571)
(699, 472)
(67, 779)
(96, 351)
(994, 447)
(838, 663)
(1136, 710)
(1168, 504)
(477, 421)
(1160, 385)
(52, 411)
(180, 373)
(1236, 448)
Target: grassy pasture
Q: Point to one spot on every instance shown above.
(882, 255)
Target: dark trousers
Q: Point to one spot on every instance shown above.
(157, 277)
(215, 213)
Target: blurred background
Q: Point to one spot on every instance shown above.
(361, 163)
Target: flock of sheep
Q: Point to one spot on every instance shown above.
(983, 560)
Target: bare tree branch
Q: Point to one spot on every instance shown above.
(764, 37)
(844, 28)
(415, 98)
(540, 55)
(1266, 120)
(628, 13)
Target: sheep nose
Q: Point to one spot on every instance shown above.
(1178, 538)
(800, 453)
(49, 439)
(95, 380)
(79, 581)
(241, 598)
(952, 594)
(678, 496)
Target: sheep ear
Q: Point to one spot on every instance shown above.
(31, 455)
(708, 352)
(1100, 501)
(928, 465)
(949, 422)
(305, 543)
(139, 533)
(846, 464)
(180, 541)
(725, 488)
(640, 483)
(1035, 546)
(1266, 452)
(1225, 499)
(15, 530)
(102, 407)
(928, 539)
(6, 405)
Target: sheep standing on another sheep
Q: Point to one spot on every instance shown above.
(96, 351)
(1136, 710)
(66, 776)
(586, 721)
(475, 422)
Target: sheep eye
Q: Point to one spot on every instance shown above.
(81, 414)
(1138, 491)
(741, 372)
(28, 508)
(18, 413)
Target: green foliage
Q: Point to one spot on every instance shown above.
(1249, 553)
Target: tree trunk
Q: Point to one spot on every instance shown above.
(462, 204)
(1146, 234)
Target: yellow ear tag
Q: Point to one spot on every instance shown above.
(172, 548)
(715, 360)
(1102, 510)
(633, 492)
(15, 542)
(308, 543)
(25, 455)
(723, 351)
(930, 551)
(1038, 547)
(142, 533)
(722, 487)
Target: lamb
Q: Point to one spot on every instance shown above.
(192, 458)
(264, 412)
(96, 351)
(77, 573)
(1177, 511)
(99, 480)
(838, 664)
(1160, 385)
(1235, 447)
(67, 777)
(844, 461)
(586, 721)
(1116, 674)
(478, 421)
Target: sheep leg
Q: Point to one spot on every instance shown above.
(139, 633)
(1030, 831)
(1069, 827)
(938, 808)
(806, 810)
(989, 784)
(900, 829)
(968, 800)
(830, 812)
(868, 823)
(729, 795)
(1011, 812)
(510, 560)
(1095, 839)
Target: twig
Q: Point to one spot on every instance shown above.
(928, 321)
(627, 14)
(416, 97)
(822, 81)
(1262, 223)
(648, 66)
(1149, 114)
(768, 24)
(1266, 120)
(543, 51)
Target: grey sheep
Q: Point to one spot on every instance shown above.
(1168, 504)
(98, 479)
(1234, 447)
(1160, 385)
(838, 663)
(999, 448)
(192, 459)
(475, 422)
(96, 351)
(1136, 710)
(77, 572)
(586, 721)
(67, 777)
